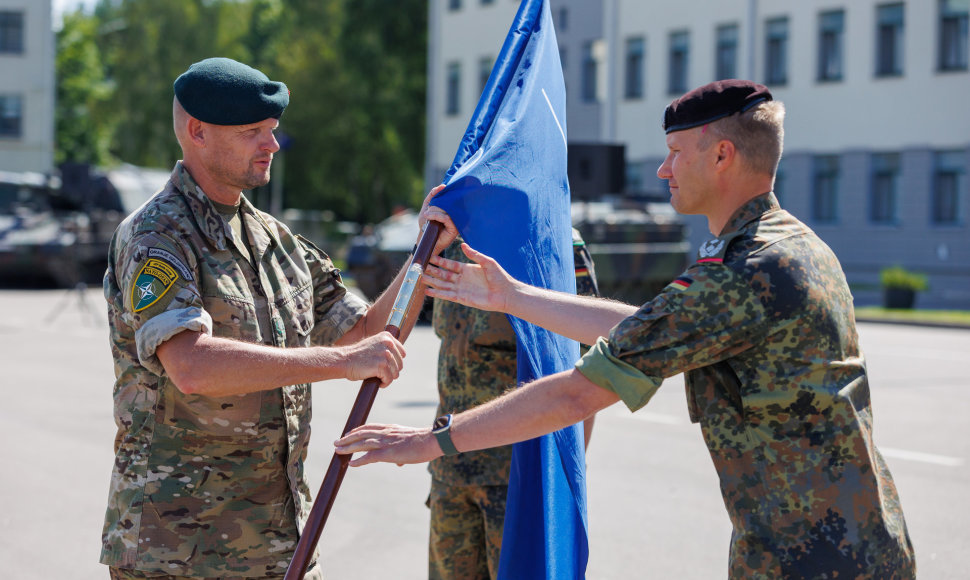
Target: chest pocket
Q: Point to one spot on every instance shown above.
(296, 314)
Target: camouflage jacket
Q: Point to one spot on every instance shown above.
(764, 327)
(211, 486)
(476, 363)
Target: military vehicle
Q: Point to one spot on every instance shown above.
(638, 242)
(55, 229)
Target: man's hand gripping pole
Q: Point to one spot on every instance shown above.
(402, 317)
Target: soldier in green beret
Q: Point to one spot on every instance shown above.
(476, 363)
(220, 317)
(762, 324)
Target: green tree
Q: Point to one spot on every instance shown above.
(355, 69)
(82, 133)
(356, 73)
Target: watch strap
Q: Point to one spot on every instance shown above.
(443, 435)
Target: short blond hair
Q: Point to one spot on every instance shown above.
(758, 135)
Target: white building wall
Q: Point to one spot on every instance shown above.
(31, 76)
(917, 114)
(923, 106)
(476, 31)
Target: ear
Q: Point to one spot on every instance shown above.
(726, 154)
(196, 132)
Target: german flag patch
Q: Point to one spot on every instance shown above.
(154, 279)
(681, 283)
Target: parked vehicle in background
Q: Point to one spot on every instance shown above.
(55, 229)
(637, 246)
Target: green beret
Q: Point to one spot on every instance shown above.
(711, 102)
(222, 91)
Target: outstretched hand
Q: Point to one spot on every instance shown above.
(483, 285)
(388, 444)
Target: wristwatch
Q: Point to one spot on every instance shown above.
(442, 432)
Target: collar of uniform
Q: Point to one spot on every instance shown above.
(210, 223)
(750, 211)
(271, 240)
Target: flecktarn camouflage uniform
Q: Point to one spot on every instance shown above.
(476, 363)
(764, 327)
(211, 486)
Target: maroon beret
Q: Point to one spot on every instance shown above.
(711, 102)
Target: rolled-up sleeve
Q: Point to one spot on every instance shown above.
(605, 370)
(164, 326)
(710, 316)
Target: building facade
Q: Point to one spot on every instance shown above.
(877, 144)
(26, 86)
(465, 36)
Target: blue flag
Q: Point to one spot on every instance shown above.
(508, 194)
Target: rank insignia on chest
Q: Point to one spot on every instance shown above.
(152, 282)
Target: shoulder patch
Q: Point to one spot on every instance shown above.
(154, 279)
(681, 283)
(172, 259)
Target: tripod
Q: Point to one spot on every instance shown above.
(77, 291)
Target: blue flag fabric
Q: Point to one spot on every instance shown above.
(508, 194)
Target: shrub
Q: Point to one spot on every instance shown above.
(899, 277)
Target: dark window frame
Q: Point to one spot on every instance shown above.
(776, 51)
(634, 62)
(11, 116)
(884, 189)
(953, 32)
(831, 46)
(825, 190)
(11, 32)
(726, 51)
(453, 89)
(678, 62)
(890, 38)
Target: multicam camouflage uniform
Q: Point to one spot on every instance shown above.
(764, 327)
(211, 486)
(476, 363)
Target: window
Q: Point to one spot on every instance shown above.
(453, 89)
(776, 51)
(831, 28)
(589, 72)
(11, 32)
(948, 182)
(726, 52)
(11, 115)
(454, 5)
(885, 187)
(563, 19)
(633, 78)
(889, 40)
(953, 34)
(484, 70)
(677, 71)
(487, 1)
(825, 192)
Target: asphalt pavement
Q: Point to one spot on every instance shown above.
(654, 506)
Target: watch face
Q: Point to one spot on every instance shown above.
(441, 422)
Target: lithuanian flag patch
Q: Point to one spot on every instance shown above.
(154, 279)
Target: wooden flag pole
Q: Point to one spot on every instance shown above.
(403, 316)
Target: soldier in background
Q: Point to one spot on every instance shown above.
(764, 328)
(476, 363)
(219, 319)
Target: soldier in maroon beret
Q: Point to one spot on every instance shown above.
(762, 326)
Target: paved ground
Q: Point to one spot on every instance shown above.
(654, 507)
